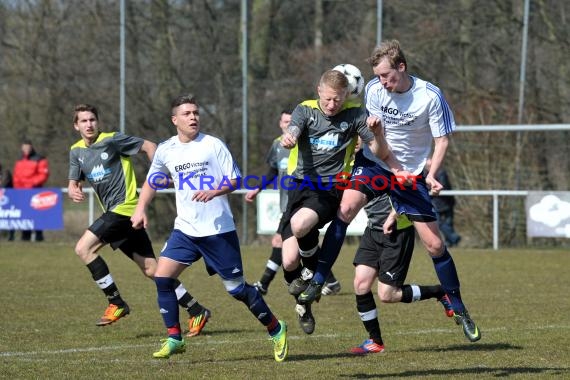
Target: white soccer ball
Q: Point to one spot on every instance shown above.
(355, 79)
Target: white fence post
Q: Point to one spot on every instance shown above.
(493, 193)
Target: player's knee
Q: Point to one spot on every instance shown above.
(300, 229)
(276, 241)
(290, 265)
(83, 251)
(361, 286)
(387, 294)
(149, 271)
(79, 250)
(302, 224)
(290, 260)
(149, 267)
(346, 213)
(434, 247)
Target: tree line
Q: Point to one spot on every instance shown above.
(55, 54)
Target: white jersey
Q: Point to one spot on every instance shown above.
(411, 120)
(202, 164)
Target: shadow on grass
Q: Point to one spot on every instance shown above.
(470, 347)
(494, 371)
(458, 347)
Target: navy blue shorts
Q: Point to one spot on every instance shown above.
(414, 201)
(221, 252)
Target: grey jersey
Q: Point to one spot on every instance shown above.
(378, 210)
(106, 165)
(326, 144)
(278, 158)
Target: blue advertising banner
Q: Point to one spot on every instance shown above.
(31, 209)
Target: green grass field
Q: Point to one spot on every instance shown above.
(50, 305)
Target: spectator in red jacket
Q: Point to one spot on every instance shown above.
(30, 171)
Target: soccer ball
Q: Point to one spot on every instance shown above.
(355, 79)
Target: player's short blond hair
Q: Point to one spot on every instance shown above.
(334, 79)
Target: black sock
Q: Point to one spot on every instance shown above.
(312, 261)
(431, 291)
(273, 264)
(188, 302)
(366, 308)
(100, 273)
(292, 275)
(425, 292)
(276, 255)
(266, 278)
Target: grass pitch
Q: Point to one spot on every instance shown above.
(519, 298)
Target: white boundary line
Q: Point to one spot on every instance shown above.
(290, 337)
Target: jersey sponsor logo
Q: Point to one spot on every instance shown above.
(80, 159)
(326, 142)
(283, 163)
(389, 110)
(396, 112)
(190, 165)
(98, 173)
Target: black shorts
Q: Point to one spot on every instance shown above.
(117, 231)
(390, 254)
(281, 226)
(324, 202)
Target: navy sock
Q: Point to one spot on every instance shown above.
(254, 302)
(447, 274)
(167, 301)
(330, 249)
